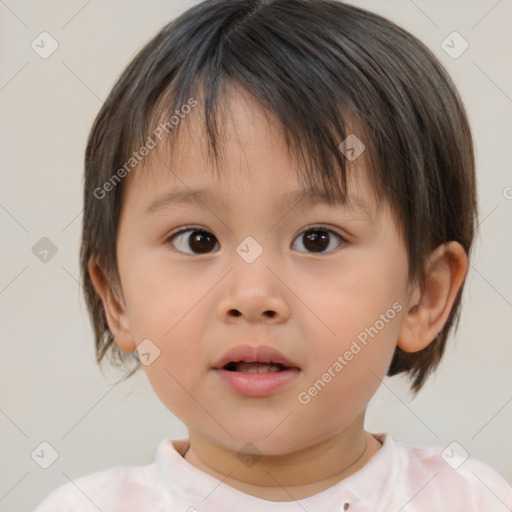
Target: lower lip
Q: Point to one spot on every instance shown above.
(257, 385)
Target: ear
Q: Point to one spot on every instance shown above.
(115, 309)
(428, 309)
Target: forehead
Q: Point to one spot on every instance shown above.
(253, 152)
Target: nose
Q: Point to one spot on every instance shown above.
(257, 297)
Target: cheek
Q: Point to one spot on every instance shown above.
(165, 306)
(170, 375)
(348, 301)
(345, 375)
(159, 293)
(177, 372)
(360, 311)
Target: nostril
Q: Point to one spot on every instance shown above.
(235, 312)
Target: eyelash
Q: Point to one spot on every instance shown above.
(319, 227)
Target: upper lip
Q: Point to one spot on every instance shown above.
(254, 354)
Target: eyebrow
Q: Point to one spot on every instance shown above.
(207, 196)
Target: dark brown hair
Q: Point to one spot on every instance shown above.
(314, 65)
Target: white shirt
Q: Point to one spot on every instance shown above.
(399, 477)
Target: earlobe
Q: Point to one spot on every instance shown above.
(115, 310)
(428, 309)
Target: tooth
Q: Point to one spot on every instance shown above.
(257, 367)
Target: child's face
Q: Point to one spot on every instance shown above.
(196, 307)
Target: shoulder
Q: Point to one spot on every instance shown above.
(126, 488)
(446, 478)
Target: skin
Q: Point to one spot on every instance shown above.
(194, 307)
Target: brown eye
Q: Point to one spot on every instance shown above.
(198, 241)
(318, 239)
(193, 241)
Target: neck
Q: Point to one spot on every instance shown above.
(286, 477)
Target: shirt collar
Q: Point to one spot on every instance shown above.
(366, 490)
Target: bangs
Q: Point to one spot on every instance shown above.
(316, 98)
(313, 149)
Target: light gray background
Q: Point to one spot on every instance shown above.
(51, 389)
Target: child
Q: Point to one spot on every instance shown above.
(243, 134)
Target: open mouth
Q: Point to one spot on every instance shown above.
(245, 376)
(242, 366)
